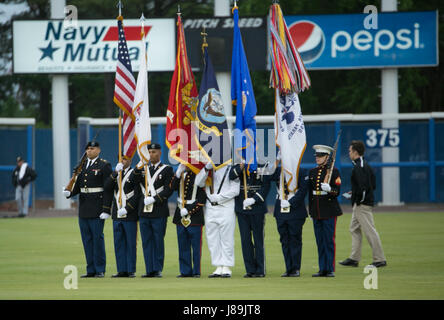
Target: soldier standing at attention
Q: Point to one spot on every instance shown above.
(189, 221)
(122, 202)
(90, 187)
(153, 210)
(324, 209)
(251, 218)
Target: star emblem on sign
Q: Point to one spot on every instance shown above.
(48, 51)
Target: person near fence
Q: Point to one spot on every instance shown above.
(250, 212)
(220, 219)
(290, 214)
(189, 221)
(90, 188)
(324, 209)
(121, 199)
(363, 183)
(22, 176)
(153, 209)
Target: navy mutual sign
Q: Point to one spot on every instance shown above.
(401, 39)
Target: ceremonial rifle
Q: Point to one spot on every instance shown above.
(331, 160)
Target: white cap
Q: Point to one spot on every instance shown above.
(319, 148)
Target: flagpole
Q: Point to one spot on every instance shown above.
(119, 5)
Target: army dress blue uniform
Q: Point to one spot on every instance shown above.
(90, 188)
(153, 224)
(252, 221)
(189, 238)
(290, 224)
(324, 209)
(124, 228)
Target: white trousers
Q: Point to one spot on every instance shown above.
(220, 223)
(22, 198)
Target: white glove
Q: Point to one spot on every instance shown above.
(149, 200)
(285, 203)
(104, 216)
(214, 197)
(183, 212)
(249, 202)
(119, 167)
(278, 156)
(325, 186)
(66, 193)
(208, 166)
(121, 213)
(180, 169)
(347, 195)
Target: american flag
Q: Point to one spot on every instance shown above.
(124, 90)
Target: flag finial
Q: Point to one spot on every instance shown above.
(120, 6)
(204, 35)
(142, 20)
(178, 9)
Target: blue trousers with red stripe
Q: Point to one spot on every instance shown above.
(125, 245)
(189, 239)
(325, 233)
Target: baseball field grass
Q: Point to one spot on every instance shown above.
(35, 251)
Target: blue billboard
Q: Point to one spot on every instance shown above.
(343, 41)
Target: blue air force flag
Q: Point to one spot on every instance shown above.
(290, 136)
(242, 97)
(213, 137)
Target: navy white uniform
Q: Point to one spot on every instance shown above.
(125, 228)
(324, 209)
(90, 188)
(252, 221)
(290, 224)
(189, 238)
(153, 224)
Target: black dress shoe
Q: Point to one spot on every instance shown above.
(330, 274)
(196, 275)
(100, 275)
(249, 275)
(131, 274)
(319, 274)
(214, 275)
(379, 264)
(120, 275)
(184, 276)
(157, 274)
(225, 275)
(285, 274)
(88, 275)
(349, 262)
(294, 274)
(259, 275)
(146, 275)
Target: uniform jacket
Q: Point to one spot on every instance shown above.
(363, 182)
(162, 187)
(323, 205)
(30, 175)
(195, 209)
(297, 201)
(130, 192)
(258, 187)
(91, 203)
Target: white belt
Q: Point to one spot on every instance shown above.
(319, 193)
(187, 201)
(91, 190)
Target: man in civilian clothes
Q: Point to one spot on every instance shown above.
(122, 202)
(324, 209)
(363, 182)
(290, 214)
(251, 218)
(189, 221)
(90, 187)
(153, 210)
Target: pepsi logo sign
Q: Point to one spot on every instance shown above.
(308, 38)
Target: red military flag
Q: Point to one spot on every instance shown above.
(124, 89)
(182, 106)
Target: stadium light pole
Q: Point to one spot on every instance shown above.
(60, 125)
(222, 9)
(390, 105)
